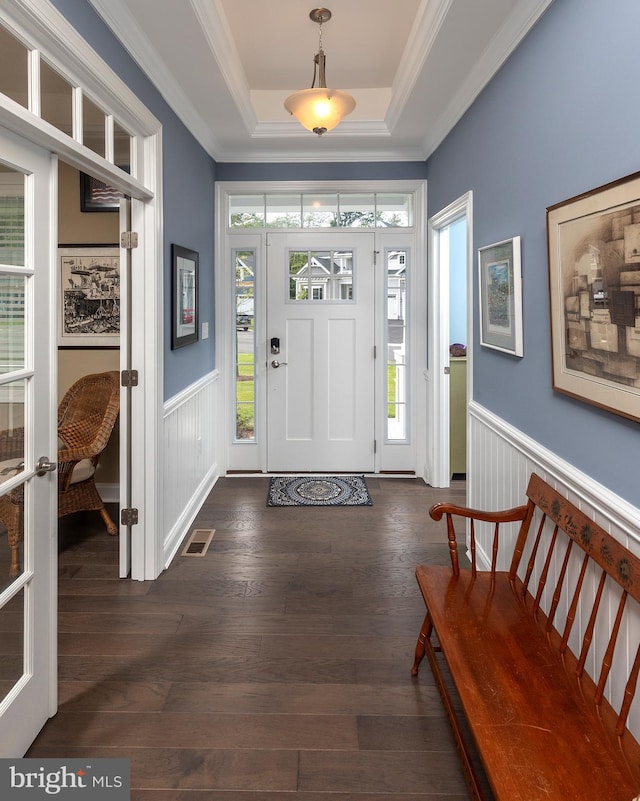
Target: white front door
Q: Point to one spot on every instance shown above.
(320, 352)
(28, 532)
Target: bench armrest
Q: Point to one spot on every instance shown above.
(449, 510)
(507, 516)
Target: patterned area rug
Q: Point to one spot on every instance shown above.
(318, 491)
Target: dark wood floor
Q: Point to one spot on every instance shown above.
(274, 668)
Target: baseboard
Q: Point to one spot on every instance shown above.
(110, 493)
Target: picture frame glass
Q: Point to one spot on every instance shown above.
(500, 286)
(89, 296)
(185, 296)
(594, 288)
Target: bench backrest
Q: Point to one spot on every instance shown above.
(583, 587)
(587, 578)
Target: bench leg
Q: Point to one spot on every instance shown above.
(425, 633)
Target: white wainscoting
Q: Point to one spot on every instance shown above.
(501, 459)
(190, 458)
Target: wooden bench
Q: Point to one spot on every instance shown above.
(520, 646)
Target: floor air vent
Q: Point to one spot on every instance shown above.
(198, 542)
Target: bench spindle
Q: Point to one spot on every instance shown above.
(571, 614)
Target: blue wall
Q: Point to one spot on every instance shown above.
(560, 118)
(317, 171)
(188, 202)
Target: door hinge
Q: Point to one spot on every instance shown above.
(375, 351)
(129, 240)
(129, 378)
(447, 370)
(375, 257)
(129, 517)
(375, 446)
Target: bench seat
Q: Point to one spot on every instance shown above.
(508, 679)
(539, 715)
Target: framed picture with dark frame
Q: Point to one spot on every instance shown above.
(594, 293)
(500, 283)
(96, 195)
(184, 296)
(89, 296)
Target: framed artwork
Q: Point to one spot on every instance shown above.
(500, 283)
(184, 307)
(95, 195)
(594, 290)
(89, 296)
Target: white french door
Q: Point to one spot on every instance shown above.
(320, 352)
(28, 481)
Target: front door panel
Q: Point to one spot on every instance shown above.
(320, 375)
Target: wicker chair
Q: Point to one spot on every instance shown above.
(86, 417)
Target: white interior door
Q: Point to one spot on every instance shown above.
(320, 352)
(28, 535)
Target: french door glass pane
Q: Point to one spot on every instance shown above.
(121, 147)
(14, 68)
(93, 127)
(12, 640)
(56, 99)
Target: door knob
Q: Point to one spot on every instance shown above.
(45, 466)
(276, 363)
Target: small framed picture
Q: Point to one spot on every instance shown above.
(89, 296)
(500, 283)
(95, 195)
(184, 329)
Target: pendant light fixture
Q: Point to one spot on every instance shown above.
(319, 109)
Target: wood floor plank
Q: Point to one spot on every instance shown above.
(378, 771)
(331, 699)
(274, 668)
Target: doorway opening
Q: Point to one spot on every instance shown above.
(450, 341)
(89, 323)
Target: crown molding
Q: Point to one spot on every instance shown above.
(307, 155)
(494, 56)
(216, 28)
(123, 25)
(424, 33)
(347, 128)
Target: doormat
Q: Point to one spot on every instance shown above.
(318, 491)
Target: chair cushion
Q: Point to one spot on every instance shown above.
(10, 468)
(82, 471)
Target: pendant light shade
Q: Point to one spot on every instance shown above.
(319, 109)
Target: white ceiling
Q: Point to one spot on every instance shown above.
(413, 66)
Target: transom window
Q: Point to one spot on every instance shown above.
(322, 210)
(53, 99)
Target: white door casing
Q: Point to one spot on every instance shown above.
(29, 599)
(320, 386)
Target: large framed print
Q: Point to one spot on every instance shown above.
(594, 290)
(184, 306)
(89, 296)
(500, 284)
